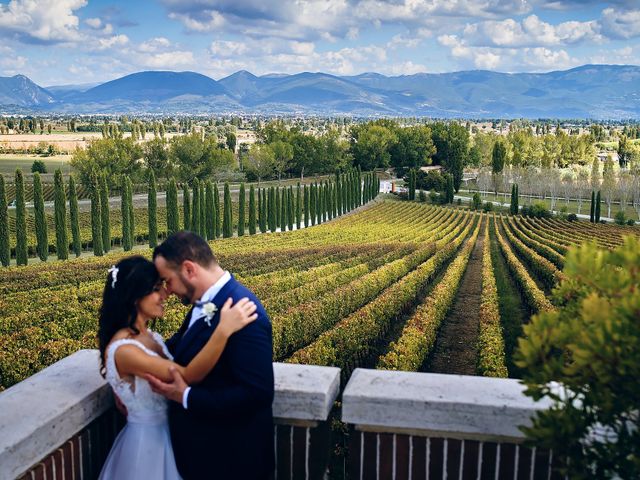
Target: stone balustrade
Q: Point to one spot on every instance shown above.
(409, 425)
(60, 424)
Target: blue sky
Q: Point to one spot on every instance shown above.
(85, 41)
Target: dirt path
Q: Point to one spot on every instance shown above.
(456, 348)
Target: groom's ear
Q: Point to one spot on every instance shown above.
(189, 269)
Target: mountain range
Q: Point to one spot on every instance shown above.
(590, 91)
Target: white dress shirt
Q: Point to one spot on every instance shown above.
(197, 314)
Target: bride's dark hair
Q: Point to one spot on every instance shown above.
(134, 278)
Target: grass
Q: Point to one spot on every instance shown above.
(9, 162)
(572, 205)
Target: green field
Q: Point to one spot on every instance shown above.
(10, 161)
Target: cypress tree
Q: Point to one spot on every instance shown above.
(597, 213)
(272, 209)
(305, 205)
(152, 200)
(5, 249)
(252, 210)
(227, 227)
(517, 199)
(283, 209)
(203, 211)
(42, 242)
(291, 208)
(195, 210)
(73, 216)
(241, 206)
(298, 207)
(348, 192)
(592, 213)
(96, 221)
(173, 220)
(104, 214)
(211, 213)
(513, 196)
(216, 209)
(186, 207)
(21, 221)
(262, 198)
(312, 204)
(132, 224)
(126, 219)
(345, 194)
(359, 186)
(60, 216)
(278, 207)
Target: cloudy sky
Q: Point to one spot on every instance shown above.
(85, 41)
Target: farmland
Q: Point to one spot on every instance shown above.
(372, 288)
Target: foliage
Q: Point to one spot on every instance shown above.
(252, 210)
(21, 221)
(186, 207)
(572, 217)
(74, 218)
(38, 166)
(113, 157)
(42, 245)
(173, 220)
(5, 249)
(241, 208)
(96, 221)
(104, 214)
(152, 206)
(227, 225)
(589, 346)
(620, 218)
(535, 210)
(60, 217)
(197, 158)
(452, 149)
(477, 201)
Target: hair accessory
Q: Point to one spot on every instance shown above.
(114, 275)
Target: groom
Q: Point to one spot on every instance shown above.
(221, 428)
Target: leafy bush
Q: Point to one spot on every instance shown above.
(537, 210)
(590, 346)
(572, 217)
(631, 222)
(433, 196)
(487, 207)
(422, 196)
(38, 166)
(477, 201)
(619, 218)
(432, 180)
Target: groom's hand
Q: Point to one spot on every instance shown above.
(172, 390)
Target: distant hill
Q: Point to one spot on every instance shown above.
(590, 91)
(19, 90)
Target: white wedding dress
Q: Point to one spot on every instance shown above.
(143, 448)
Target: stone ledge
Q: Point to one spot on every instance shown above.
(304, 392)
(45, 410)
(453, 406)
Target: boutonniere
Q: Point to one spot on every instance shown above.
(209, 309)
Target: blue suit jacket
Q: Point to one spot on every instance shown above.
(227, 431)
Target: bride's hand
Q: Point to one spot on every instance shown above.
(237, 317)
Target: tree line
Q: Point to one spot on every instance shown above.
(268, 210)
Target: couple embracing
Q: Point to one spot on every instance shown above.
(199, 406)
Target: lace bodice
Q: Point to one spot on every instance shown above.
(143, 405)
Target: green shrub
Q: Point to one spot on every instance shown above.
(42, 242)
(585, 358)
(572, 217)
(537, 210)
(487, 207)
(620, 218)
(60, 217)
(631, 222)
(38, 166)
(74, 218)
(476, 201)
(5, 249)
(21, 221)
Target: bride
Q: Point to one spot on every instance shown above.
(133, 295)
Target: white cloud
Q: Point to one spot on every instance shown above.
(531, 32)
(620, 24)
(47, 21)
(154, 44)
(168, 60)
(111, 42)
(531, 59)
(228, 49)
(93, 22)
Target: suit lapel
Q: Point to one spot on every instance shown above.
(200, 325)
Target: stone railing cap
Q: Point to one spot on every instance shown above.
(304, 392)
(456, 404)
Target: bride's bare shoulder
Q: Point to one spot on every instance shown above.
(120, 334)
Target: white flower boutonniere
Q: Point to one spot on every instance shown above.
(209, 309)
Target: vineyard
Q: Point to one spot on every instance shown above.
(382, 287)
